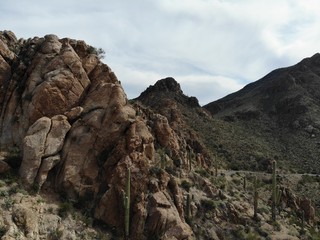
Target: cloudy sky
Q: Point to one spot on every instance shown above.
(211, 47)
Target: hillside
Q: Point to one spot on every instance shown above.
(282, 112)
(80, 161)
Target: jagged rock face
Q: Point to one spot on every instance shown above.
(68, 113)
(164, 88)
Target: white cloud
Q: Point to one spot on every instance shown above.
(146, 40)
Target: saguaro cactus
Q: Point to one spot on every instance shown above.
(278, 198)
(244, 183)
(255, 198)
(274, 191)
(216, 165)
(188, 208)
(302, 221)
(127, 205)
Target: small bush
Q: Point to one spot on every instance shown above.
(309, 179)
(3, 231)
(14, 157)
(171, 171)
(186, 185)
(64, 209)
(55, 234)
(97, 51)
(208, 204)
(203, 173)
(155, 170)
(8, 203)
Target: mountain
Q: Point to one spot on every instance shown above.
(79, 160)
(282, 111)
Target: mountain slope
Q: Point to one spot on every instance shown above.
(281, 109)
(221, 195)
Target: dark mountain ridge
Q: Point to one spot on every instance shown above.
(266, 94)
(282, 108)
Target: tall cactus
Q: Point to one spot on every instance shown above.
(127, 205)
(255, 198)
(278, 198)
(216, 165)
(274, 191)
(244, 183)
(188, 208)
(302, 221)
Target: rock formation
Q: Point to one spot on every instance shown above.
(67, 112)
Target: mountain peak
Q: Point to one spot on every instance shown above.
(167, 88)
(168, 84)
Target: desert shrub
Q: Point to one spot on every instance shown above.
(3, 231)
(186, 185)
(13, 190)
(219, 182)
(171, 171)
(309, 179)
(4, 193)
(64, 209)
(276, 226)
(202, 172)
(13, 158)
(8, 203)
(239, 233)
(97, 51)
(155, 170)
(208, 204)
(55, 234)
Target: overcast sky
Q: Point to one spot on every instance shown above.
(211, 47)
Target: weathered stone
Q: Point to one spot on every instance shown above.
(55, 138)
(309, 211)
(46, 165)
(5, 51)
(74, 113)
(33, 149)
(51, 45)
(26, 220)
(164, 219)
(90, 62)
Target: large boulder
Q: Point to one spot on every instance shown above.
(44, 139)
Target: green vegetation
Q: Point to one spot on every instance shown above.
(186, 185)
(97, 51)
(188, 209)
(13, 157)
(208, 204)
(55, 234)
(3, 231)
(65, 208)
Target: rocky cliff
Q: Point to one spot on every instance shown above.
(67, 114)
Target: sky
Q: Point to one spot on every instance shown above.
(211, 47)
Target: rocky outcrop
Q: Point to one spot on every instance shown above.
(41, 146)
(78, 134)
